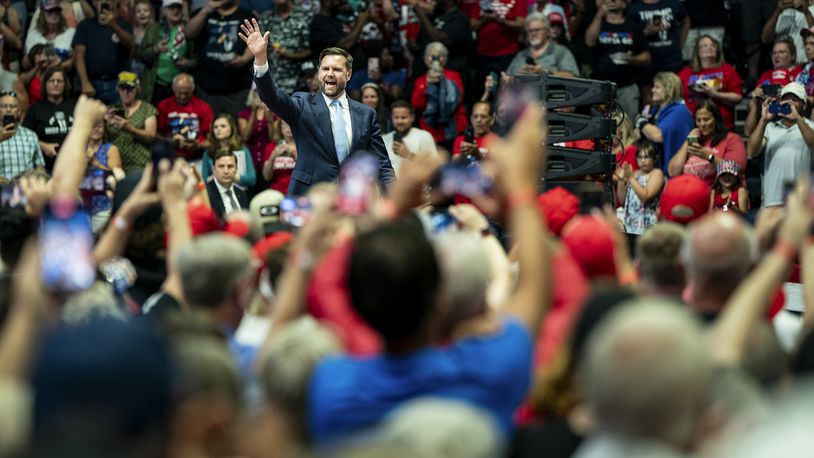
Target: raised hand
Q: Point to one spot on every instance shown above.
(256, 41)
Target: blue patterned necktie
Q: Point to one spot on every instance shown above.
(340, 135)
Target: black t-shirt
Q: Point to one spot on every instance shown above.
(617, 38)
(105, 55)
(218, 44)
(555, 439)
(706, 13)
(665, 46)
(455, 24)
(50, 122)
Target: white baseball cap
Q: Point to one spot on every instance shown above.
(795, 88)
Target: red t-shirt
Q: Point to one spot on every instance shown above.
(495, 39)
(193, 119)
(283, 167)
(328, 300)
(731, 148)
(419, 100)
(781, 76)
(33, 88)
(480, 141)
(725, 78)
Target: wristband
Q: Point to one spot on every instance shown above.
(520, 197)
(786, 250)
(121, 224)
(303, 260)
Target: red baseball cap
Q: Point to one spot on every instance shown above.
(590, 241)
(555, 18)
(684, 199)
(558, 206)
(781, 76)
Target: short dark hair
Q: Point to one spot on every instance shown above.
(222, 153)
(484, 102)
(393, 278)
(402, 104)
(337, 52)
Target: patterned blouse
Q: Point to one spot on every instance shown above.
(134, 153)
(291, 33)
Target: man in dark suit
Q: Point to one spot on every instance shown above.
(224, 195)
(328, 126)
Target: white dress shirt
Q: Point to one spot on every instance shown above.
(227, 202)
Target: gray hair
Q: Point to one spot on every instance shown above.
(211, 267)
(465, 272)
(291, 355)
(93, 303)
(436, 46)
(647, 372)
(725, 270)
(537, 16)
(181, 76)
(442, 428)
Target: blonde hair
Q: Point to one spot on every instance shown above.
(672, 86)
(695, 62)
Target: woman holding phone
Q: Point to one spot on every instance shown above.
(707, 145)
(132, 123)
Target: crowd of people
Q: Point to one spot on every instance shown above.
(293, 227)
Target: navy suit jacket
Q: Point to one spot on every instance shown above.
(216, 202)
(310, 122)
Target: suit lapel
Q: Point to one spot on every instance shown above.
(323, 118)
(356, 116)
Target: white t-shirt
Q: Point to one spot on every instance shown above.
(791, 22)
(62, 42)
(418, 141)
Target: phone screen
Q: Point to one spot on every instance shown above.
(296, 211)
(372, 65)
(12, 196)
(66, 244)
(356, 182)
(464, 179)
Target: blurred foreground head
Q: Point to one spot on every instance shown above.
(102, 389)
(647, 373)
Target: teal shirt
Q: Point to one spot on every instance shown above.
(246, 179)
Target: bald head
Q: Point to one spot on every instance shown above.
(719, 247)
(183, 87)
(647, 372)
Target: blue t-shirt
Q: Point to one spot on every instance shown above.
(675, 122)
(493, 372)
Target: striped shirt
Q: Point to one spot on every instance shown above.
(20, 153)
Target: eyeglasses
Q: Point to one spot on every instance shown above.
(126, 88)
(8, 94)
(175, 6)
(532, 31)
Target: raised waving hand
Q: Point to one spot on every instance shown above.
(256, 41)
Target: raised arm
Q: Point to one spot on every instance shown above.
(69, 168)
(276, 99)
(748, 303)
(519, 160)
